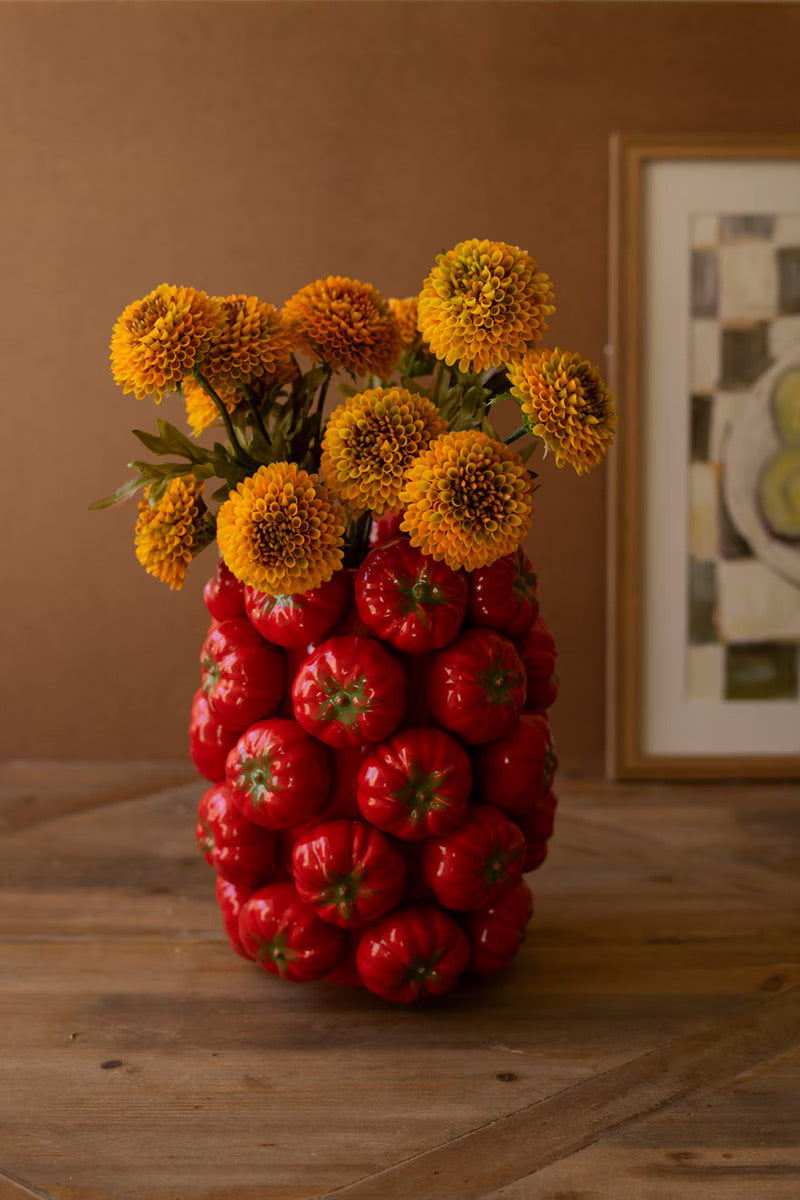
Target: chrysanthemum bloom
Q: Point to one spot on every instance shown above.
(483, 304)
(346, 324)
(281, 530)
(170, 532)
(468, 500)
(370, 442)
(157, 341)
(254, 342)
(201, 411)
(567, 405)
(405, 312)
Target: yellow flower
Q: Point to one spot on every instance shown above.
(370, 442)
(280, 531)
(254, 343)
(346, 324)
(567, 405)
(468, 500)
(483, 304)
(405, 312)
(157, 341)
(170, 532)
(201, 411)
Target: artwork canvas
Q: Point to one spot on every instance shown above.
(705, 555)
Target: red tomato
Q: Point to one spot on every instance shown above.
(537, 649)
(535, 854)
(241, 852)
(416, 785)
(242, 675)
(477, 686)
(537, 825)
(286, 937)
(209, 741)
(278, 775)
(349, 872)
(224, 594)
(516, 772)
(383, 528)
(498, 930)
(294, 621)
(503, 595)
(230, 899)
(472, 866)
(408, 599)
(346, 765)
(345, 973)
(414, 952)
(349, 691)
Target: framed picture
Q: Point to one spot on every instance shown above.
(705, 544)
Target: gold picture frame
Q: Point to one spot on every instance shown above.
(655, 730)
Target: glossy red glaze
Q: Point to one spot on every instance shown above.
(416, 784)
(243, 676)
(295, 621)
(477, 686)
(224, 594)
(472, 866)
(210, 741)
(537, 649)
(278, 775)
(538, 824)
(230, 899)
(497, 930)
(412, 953)
(349, 691)
(503, 595)
(286, 937)
(241, 852)
(349, 872)
(516, 772)
(385, 527)
(408, 599)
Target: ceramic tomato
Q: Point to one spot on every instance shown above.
(224, 594)
(296, 620)
(503, 595)
(349, 691)
(516, 772)
(408, 599)
(385, 527)
(278, 775)
(243, 676)
(411, 953)
(241, 852)
(472, 866)
(286, 937)
(345, 973)
(210, 742)
(537, 649)
(348, 872)
(497, 930)
(477, 686)
(537, 828)
(416, 784)
(230, 899)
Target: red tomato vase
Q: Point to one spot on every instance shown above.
(381, 770)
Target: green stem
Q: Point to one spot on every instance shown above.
(239, 452)
(435, 382)
(516, 435)
(323, 391)
(252, 404)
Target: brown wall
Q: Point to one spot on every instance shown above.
(253, 147)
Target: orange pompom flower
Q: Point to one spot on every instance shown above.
(346, 324)
(170, 532)
(157, 342)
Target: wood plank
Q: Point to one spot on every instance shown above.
(736, 1141)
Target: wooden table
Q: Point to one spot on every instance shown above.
(645, 1044)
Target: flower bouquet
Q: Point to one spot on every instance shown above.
(376, 676)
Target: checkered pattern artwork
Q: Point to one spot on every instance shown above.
(743, 589)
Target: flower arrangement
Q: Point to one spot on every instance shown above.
(376, 676)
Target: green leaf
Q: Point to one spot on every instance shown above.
(123, 493)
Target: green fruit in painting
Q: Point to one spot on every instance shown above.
(779, 493)
(786, 406)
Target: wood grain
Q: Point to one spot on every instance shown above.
(140, 1058)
